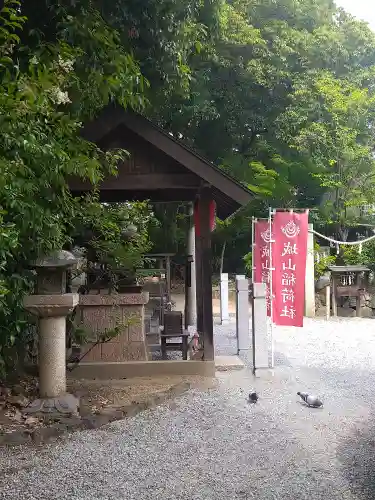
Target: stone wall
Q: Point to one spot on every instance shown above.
(348, 304)
(100, 313)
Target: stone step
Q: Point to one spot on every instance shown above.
(227, 363)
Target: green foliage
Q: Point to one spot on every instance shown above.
(248, 260)
(368, 255)
(321, 263)
(281, 96)
(104, 230)
(351, 255)
(160, 34)
(40, 148)
(169, 233)
(331, 121)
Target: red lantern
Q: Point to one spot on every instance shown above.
(212, 209)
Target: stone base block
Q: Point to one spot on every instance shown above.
(106, 371)
(228, 363)
(123, 312)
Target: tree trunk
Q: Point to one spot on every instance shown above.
(222, 258)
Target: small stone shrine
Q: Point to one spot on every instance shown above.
(348, 281)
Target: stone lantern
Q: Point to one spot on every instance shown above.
(129, 232)
(52, 305)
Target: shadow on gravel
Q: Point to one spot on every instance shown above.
(357, 457)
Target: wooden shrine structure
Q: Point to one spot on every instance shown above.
(348, 281)
(162, 169)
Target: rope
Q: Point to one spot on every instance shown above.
(360, 242)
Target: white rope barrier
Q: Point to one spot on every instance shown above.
(360, 242)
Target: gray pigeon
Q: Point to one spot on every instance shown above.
(253, 397)
(310, 400)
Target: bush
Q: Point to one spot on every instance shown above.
(321, 264)
(351, 255)
(248, 260)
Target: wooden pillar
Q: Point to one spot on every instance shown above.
(206, 273)
(328, 301)
(168, 276)
(198, 284)
(334, 295)
(358, 301)
(188, 284)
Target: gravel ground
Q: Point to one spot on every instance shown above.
(213, 445)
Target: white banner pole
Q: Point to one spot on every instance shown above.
(253, 220)
(270, 213)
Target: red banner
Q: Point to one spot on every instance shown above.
(289, 261)
(212, 209)
(262, 257)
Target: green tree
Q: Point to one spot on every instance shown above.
(247, 82)
(42, 101)
(331, 121)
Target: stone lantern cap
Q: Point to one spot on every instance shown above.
(57, 260)
(51, 271)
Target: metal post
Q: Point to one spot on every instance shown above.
(259, 326)
(253, 221)
(309, 275)
(270, 213)
(242, 314)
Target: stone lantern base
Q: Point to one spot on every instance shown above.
(65, 404)
(52, 311)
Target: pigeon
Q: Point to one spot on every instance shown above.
(310, 400)
(253, 397)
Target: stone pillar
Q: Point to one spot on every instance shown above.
(52, 366)
(52, 306)
(259, 326)
(242, 314)
(191, 295)
(310, 277)
(224, 299)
